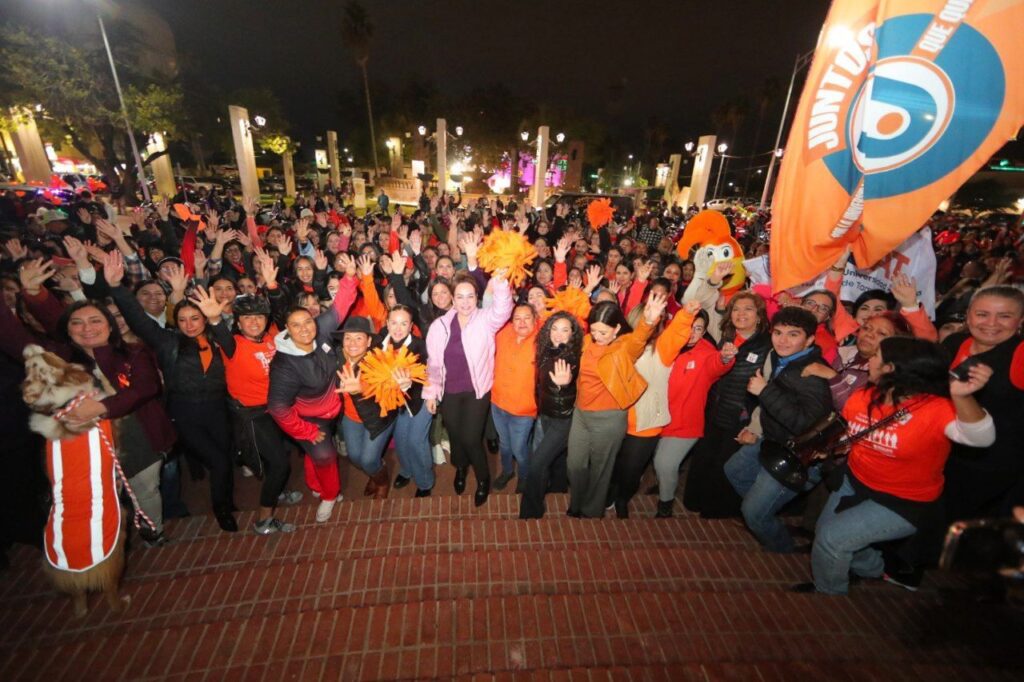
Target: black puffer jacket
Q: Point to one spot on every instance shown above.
(790, 403)
(730, 406)
(552, 400)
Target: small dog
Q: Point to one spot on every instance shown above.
(83, 539)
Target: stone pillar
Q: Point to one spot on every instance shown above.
(702, 161)
(332, 158)
(574, 172)
(289, 174)
(441, 137)
(163, 172)
(29, 148)
(244, 154)
(541, 166)
(358, 192)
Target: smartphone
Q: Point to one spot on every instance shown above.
(989, 545)
(962, 371)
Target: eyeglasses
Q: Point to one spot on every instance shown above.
(817, 307)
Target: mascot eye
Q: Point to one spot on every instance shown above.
(727, 253)
(710, 253)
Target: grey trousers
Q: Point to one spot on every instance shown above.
(146, 486)
(670, 454)
(594, 440)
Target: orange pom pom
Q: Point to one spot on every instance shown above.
(376, 376)
(571, 300)
(599, 212)
(510, 250)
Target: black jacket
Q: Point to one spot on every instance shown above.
(177, 356)
(790, 403)
(730, 406)
(553, 400)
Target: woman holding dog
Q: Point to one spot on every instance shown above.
(89, 335)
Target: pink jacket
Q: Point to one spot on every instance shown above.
(477, 343)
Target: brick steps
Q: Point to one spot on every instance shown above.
(343, 541)
(256, 590)
(443, 639)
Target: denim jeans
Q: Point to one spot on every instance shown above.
(363, 451)
(763, 497)
(513, 439)
(842, 542)
(412, 445)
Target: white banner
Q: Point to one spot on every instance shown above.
(914, 257)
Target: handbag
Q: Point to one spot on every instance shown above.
(788, 462)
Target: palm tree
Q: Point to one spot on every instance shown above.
(767, 96)
(357, 33)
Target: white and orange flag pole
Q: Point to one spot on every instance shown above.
(904, 101)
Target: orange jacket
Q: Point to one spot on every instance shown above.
(616, 369)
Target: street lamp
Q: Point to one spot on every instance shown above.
(560, 138)
(524, 136)
(722, 148)
(422, 130)
(802, 60)
(259, 121)
(688, 146)
(458, 131)
(389, 143)
(124, 112)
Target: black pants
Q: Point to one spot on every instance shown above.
(547, 466)
(707, 490)
(203, 428)
(634, 456)
(465, 417)
(264, 449)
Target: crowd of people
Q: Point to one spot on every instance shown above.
(235, 335)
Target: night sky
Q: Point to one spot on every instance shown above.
(676, 59)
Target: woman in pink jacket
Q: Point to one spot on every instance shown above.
(460, 373)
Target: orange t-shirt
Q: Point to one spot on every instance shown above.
(248, 372)
(348, 404)
(515, 364)
(906, 457)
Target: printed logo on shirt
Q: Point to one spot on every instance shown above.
(325, 348)
(751, 357)
(883, 441)
(265, 359)
(691, 364)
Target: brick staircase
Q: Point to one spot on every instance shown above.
(436, 589)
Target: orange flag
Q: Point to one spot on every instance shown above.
(904, 101)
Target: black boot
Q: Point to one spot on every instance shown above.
(664, 510)
(622, 509)
(460, 479)
(483, 489)
(423, 493)
(226, 521)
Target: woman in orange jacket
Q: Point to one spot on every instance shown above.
(608, 385)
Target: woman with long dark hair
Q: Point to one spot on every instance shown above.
(744, 335)
(193, 371)
(908, 421)
(608, 385)
(88, 334)
(559, 347)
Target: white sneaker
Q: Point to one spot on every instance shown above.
(289, 497)
(446, 445)
(324, 511)
(246, 471)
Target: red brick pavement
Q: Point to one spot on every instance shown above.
(438, 589)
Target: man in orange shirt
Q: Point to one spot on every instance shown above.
(513, 399)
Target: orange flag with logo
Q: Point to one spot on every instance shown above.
(904, 101)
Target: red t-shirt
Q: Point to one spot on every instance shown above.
(906, 457)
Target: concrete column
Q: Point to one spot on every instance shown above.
(29, 148)
(358, 192)
(702, 161)
(289, 174)
(244, 154)
(332, 158)
(441, 137)
(672, 181)
(574, 173)
(542, 166)
(163, 172)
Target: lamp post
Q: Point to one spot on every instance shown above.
(802, 61)
(722, 148)
(124, 112)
